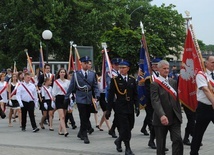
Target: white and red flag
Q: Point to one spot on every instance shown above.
(190, 66)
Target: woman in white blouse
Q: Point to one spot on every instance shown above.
(3, 91)
(60, 88)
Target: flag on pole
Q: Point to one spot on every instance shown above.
(71, 59)
(189, 68)
(144, 70)
(78, 65)
(41, 58)
(103, 75)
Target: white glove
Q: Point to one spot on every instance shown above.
(71, 103)
(46, 106)
(21, 105)
(53, 104)
(69, 108)
(10, 103)
(36, 105)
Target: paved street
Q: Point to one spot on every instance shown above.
(14, 141)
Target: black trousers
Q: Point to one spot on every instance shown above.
(204, 114)
(191, 116)
(28, 107)
(175, 136)
(84, 114)
(125, 124)
(69, 116)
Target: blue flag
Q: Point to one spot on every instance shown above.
(143, 74)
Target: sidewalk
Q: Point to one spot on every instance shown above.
(14, 141)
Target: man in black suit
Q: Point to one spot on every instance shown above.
(167, 110)
(124, 87)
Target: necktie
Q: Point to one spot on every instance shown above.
(212, 75)
(48, 75)
(86, 75)
(125, 78)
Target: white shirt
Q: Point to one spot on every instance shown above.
(23, 95)
(201, 81)
(57, 90)
(4, 93)
(45, 94)
(125, 76)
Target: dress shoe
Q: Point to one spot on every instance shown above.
(152, 144)
(129, 152)
(66, 125)
(144, 131)
(23, 129)
(79, 135)
(186, 142)
(74, 126)
(42, 126)
(35, 129)
(66, 134)
(90, 131)
(86, 140)
(118, 145)
(99, 128)
(112, 133)
(166, 149)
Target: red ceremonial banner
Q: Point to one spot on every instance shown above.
(190, 66)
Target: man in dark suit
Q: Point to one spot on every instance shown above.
(83, 83)
(47, 73)
(124, 87)
(167, 110)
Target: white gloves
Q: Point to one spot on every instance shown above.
(53, 104)
(46, 106)
(10, 103)
(21, 105)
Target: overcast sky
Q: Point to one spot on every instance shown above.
(202, 13)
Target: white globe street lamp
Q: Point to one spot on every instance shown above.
(47, 35)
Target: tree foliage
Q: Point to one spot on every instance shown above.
(87, 23)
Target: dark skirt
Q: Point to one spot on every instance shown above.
(49, 106)
(15, 104)
(103, 102)
(60, 102)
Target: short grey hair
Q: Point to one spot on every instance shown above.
(162, 62)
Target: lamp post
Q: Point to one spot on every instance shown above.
(47, 35)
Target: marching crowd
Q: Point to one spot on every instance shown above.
(58, 93)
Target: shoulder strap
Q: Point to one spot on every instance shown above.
(14, 90)
(166, 87)
(62, 89)
(28, 91)
(48, 93)
(3, 89)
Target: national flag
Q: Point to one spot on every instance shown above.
(71, 60)
(78, 65)
(144, 70)
(103, 75)
(190, 66)
(41, 58)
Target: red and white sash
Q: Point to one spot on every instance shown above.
(14, 90)
(48, 93)
(28, 91)
(206, 77)
(3, 89)
(62, 89)
(167, 87)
